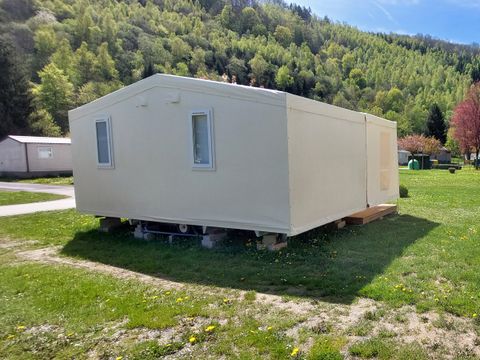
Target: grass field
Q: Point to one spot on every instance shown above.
(407, 287)
(57, 180)
(24, 197)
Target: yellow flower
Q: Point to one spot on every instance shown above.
(192, 339)
(167, 292)
(20, 327)
(70, 334)
(119, 358)
(179, 300)
(294, 352)
(475, 315)
(210, 328)
(269, 328)
(11, 336)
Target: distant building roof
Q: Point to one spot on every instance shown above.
(40, 139)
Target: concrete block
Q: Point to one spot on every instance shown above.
(271, 242)
(109, 224)
(213, 239)
(269, 239)
(149, 236)
(277, 246)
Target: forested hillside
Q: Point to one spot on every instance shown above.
(73, 51)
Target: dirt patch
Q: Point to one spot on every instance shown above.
(442, 335)
(10, 244)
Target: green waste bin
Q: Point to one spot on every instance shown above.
(413, 164)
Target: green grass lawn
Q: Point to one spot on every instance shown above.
(428, 256)
(56, 180)
(25, 197)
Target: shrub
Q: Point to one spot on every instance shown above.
(403, 191)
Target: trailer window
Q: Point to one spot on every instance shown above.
(202, 142)
(45, 152)
(104, 145)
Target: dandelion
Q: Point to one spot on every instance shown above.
(179, 300)
(11, 336)
(192, 339)
(70, 334)
(20, 327)
(167, 292)
(474, 315)
(210, 328)
(269, 328)
(294, 352)
(119, 358)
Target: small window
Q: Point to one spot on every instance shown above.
(45, 152)
(104, 145)
(202, 141)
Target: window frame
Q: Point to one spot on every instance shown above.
(107, 120)
(42, 148)
(211, 145)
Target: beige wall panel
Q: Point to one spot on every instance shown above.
(153, 177)
(61, 159)
(12, 156)
(382, 160)
(327, 163)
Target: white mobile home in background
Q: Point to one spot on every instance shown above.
(187, 151)
(30, 156)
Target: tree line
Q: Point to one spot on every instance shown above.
(59, 54)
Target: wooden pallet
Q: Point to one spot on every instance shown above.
(371, 214)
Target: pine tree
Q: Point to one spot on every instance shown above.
(15, 96)
(436, 124)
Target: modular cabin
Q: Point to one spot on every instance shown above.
(35, 156)
(186, 151)
(403, 157)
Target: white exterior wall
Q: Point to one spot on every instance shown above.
(382, 160)
(283, 163)
(12, 156)
(153, 179)
(327, 163)
(61, 159)
(403, 157)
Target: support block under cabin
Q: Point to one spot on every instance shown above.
(109, 224)
(213, 239)
(371, 214)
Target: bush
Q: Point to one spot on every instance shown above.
(403, 191)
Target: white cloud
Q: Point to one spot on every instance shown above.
(384, 10)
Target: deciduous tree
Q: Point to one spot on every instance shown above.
(466, 120)
(55, 94)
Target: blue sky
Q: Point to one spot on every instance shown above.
(453, 20)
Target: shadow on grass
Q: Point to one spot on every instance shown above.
(332, 266)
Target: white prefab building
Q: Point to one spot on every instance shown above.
(403, 157)
(30, 156)
(187, 151)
